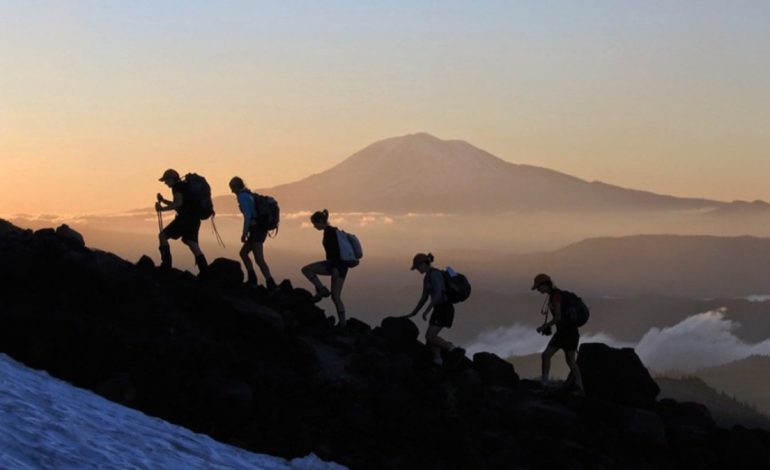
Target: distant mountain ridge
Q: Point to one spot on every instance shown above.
(422, 173)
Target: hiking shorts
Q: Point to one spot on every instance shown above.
(443, 315)
(257, 234)
(565, 338)
(341, 268)
(183, 227)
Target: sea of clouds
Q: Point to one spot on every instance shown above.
(704, 340)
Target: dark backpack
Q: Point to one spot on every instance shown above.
(457, 288)
(268, 212)
(573, 309)
(199, 196)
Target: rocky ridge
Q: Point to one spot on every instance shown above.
(267, 372)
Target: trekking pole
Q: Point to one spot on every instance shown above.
(216, 233)
(160, 221)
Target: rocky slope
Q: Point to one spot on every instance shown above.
(266, 371)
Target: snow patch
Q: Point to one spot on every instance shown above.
(48, 423)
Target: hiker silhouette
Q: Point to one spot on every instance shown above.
(185, 225)
(254, 233)
(440, 308)
(336, 264)
(563, 305)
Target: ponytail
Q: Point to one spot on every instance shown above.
(321, 217)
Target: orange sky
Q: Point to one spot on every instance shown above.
(96, 100)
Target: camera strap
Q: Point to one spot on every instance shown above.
(545, 309)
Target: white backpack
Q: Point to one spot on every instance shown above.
(350, 248)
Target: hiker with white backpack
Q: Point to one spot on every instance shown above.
(343, 251)
(260, 215)
(444, 289)
(192, 203)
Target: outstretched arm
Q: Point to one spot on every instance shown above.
(423, 299)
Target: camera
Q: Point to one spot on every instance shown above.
(545, 331)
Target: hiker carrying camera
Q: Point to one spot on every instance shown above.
(569, 313)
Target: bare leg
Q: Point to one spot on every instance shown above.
(432, 338)
(200, 259)
(337, 284)
(194, 247)
(244, 254)
(546, 365)
(312, 271)
(259, 257)
(435, 343)
(571, 357)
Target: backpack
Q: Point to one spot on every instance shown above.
(268, 212)
(351, 251)
(574, 310)
(199, 193)
(456, 286)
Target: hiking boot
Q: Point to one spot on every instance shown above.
(165, 258)
(321, 294)
(201, 262)
(271, 285)
(251, 280)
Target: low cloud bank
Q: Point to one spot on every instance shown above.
(522, 340)
(703, 340)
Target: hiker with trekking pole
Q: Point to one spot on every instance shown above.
(569, 313)
(192, 203)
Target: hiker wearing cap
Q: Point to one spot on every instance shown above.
(185, 225)
(567, 335)
(333, 266)
(254, 234)
(442, 312)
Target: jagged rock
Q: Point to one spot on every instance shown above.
(224, 273)
(495, 371)
(8, 228)
(45, 232)
(304, 309)
(146, 264)
(399, 332)
(356, 326)
(616, 375)
(70, 236)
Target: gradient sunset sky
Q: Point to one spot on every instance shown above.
(97, 98)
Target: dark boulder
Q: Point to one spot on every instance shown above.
(399, 332)
(146, 264)
(224, 273)
(495, 371)
(70, 236)
(616, 375)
